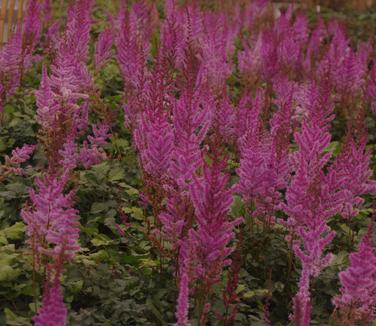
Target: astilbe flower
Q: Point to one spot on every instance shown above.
(44, 99)
(92, 150)
(69, 72)
(245, 113)
(170, 31)
(190, 31)
(165, 128)
(69, 155)
(62, 99)
(212, 199)
(51, 40)
(78, 29)
(57, 110)
(18, 54)
(357, 300)
(32, 24)
(100, 134)
(192, 117)
(103, 48)
(177, 218)
(292, 37)
(345, 68)
(217, 44)
(312, 197)
(153, 131)
(249, 15)
(318, 191)
(256, 59)
(182, 38)
(68, 75)
(58, 113)
(154, 138)
(264, 155)
(52, 221)
(47, 12)
(314, 47)
(168, 131)
(371, 89)
(69, 68)
(225, 121)
(276, 51)
(52, 229)
(62, 112)
(18, 156)
(152, 127)
(352, 169)
(53, 311)
(132, 53)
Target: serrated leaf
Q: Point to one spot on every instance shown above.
(101, 240)
(148, 262)
(8, 273)
(17, 187)
(101, 255)
(14, 232)
(14, 320)
(129, 260)
(253, 293)
(76, 286)
(135, 212)
(237, 208)
(100, 170)
(131, 191)
(156, 312)
(333, 147)
(116, 174)
(98, 207)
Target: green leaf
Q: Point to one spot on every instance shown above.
(17, 187)
(131, 191)
(100, 256)
(98, 207)
(120, 142)
(237, 208)
(14, 320)
(100, 170)
(129, 260)
(253, 293)
(116, 174)
(8, 194)
(156, 312)
(148, 262)
(8, 273)
(90, 231)
(3, 239)
(101, 240)
(14, 232)
(333, 147)
(135, 212)
(9, 109)
(76, 286)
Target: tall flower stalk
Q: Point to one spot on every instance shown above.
(62, 101)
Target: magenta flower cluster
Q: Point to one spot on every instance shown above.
(236, 101)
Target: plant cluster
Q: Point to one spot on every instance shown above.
(224, 152)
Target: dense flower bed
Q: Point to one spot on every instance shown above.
(172, 163)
